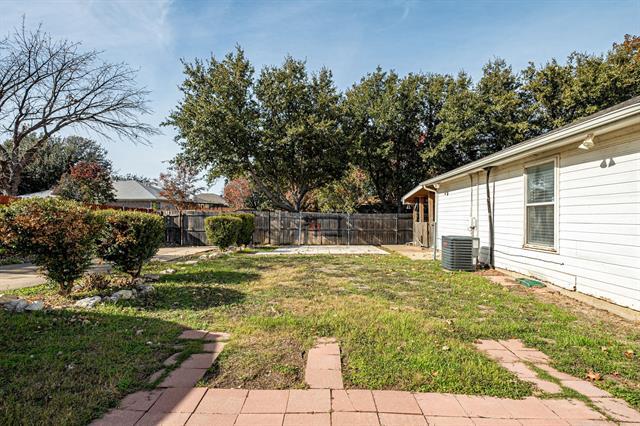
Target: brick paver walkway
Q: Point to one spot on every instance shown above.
(327, 403)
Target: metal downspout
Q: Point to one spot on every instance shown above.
(490, 217)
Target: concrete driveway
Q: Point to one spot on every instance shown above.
(24, 275)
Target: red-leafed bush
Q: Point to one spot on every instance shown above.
(58, 235)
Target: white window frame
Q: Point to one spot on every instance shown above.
(555, 203)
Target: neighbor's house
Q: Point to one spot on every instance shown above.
(134, 194)
(565, 206)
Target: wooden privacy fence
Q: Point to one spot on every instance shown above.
(285, 228)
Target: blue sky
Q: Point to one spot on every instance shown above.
(351, 38)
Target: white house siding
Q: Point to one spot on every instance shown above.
(598, 229)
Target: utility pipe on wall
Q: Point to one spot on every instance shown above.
(490, 217)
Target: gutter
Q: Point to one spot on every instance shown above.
(619, 118)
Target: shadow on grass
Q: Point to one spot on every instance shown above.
(213, 277)
(194, 297)
(70, 366)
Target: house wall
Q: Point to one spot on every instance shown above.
(597, 219)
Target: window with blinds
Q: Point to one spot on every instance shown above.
(540, 205)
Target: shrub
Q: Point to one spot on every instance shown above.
(245, 236)
(95, 281)
(222, 230)
(58, 235)
(129, 239)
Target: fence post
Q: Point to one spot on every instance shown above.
(299, 228)
(348, 229)
(269, 227)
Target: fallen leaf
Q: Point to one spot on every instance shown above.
(629, 353)
(593, 376)
(604, 348)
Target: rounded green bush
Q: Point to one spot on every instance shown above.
(245, 236)
(130, 238)
(58, 235)
(223, 230)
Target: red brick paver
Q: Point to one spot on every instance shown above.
(354, 419)
(394, 419)
(324, 370)
(204, 360)
(482, 406)
(449, 421)
(329, 405)
(164, 419)
(140, 401)
(618, 409)
(203, 419)
(439, 404)
(309, 401)
(178, 400)
(266, 401)
(396, 402)
(315, 419)
(183, 377)
(352, 400)
(571, 409)
(259, 420)
(222, 401)
(193, 334)
(585, 388)
(119, 417)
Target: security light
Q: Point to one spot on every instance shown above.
(587, 143)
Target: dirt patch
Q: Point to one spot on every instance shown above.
(260, 361)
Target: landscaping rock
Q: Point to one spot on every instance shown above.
(17, 305)
(168, 271)
(145, 290)
(123, 294)
(6, 298)
(151, 277)
(38, 305)
(88, 302)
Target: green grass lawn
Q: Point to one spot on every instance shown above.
(401, 324)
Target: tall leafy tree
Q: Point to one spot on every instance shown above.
(55, 158)
(385, 117)
(87, 182)
(281, 130)
(479, 120)
(585, 84)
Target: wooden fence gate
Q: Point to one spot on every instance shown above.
(285, 228)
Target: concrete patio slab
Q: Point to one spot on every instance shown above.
(412, 252)
(317, 250)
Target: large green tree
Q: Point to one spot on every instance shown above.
(281, 130)
(55, 158)
(562, 93)
(479, 120)
(390, 121)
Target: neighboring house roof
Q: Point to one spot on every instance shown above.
(130, 190)
(209, 198)
(620, 113)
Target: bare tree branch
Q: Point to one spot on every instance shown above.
(48, 85)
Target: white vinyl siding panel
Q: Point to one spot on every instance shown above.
(598, 227)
